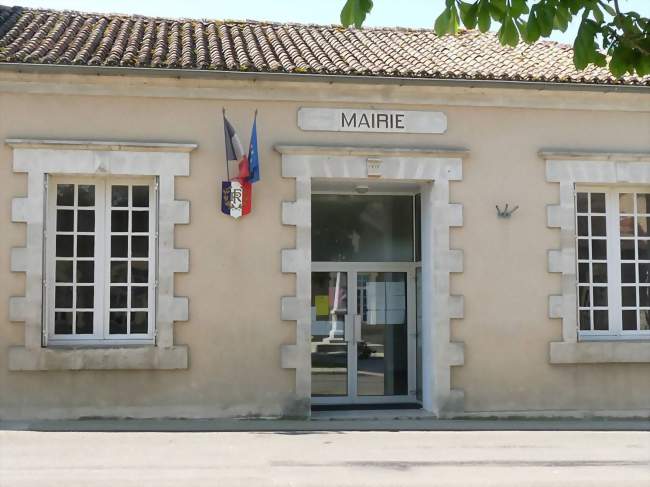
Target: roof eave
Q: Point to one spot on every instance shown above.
(312, 77)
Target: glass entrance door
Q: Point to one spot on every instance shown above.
(363, 348)
(329, 340)
(365, 250)
(382, 334)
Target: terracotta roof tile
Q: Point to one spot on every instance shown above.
(51, 37)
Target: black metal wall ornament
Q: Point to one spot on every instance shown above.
(506, 212)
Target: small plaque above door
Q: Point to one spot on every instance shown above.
(362, 120)
(374, 167)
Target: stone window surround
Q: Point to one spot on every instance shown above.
(38, 158)
(569, 169)
(438, 167)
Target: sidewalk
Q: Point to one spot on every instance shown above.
(296, 457)
(327, 422)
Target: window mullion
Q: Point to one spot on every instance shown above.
(614, 263)
(50, 259)
(104, 246)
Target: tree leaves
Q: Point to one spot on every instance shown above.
(585, 49)
(448, 21)
(355, 11)
(603, 31)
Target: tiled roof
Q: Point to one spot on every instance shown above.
(73, 38)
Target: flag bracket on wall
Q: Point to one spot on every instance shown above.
(237, 192)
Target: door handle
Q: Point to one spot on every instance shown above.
(357, 328)
(349, 327)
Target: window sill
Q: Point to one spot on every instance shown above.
(118, 358)
(600, 352)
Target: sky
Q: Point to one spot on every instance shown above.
(387, 13)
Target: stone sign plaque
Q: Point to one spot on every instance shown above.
(382, 121)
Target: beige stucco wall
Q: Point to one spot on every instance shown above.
(234, 285)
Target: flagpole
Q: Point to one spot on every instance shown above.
(224, 124)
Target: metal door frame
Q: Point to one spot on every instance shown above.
(353, 327)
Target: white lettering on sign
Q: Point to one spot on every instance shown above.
(383, 121)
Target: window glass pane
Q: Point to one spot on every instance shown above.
(582, 203)
(642, 226)
(583, 249)
(119, 271)
(64, 245)
(600, 296)
(583, 226)
(141, 196)
(644, 296)
(601, 320)
(583, 273)
(644, 321)
(627, 249)
(63, 297)
(120, 195)
(599, 272)
(140, 271)
(644, 269)
(628, 295)
(642, 203)
(85, 221)
(642, 250)
(85, 271)
(63, 323)
(362, 228)
(118, 296)
(629, 319)
(84, 323)
(140, 221)
(85, 246)
(627, 226)
(598, 202)
(117, 323)
(65, 194)
(139, 322)
(63, 271)
(598, 249)
(139, 246)
(585, 321)
(86, 195)
(119, 246)
(119, 221)
(85, 297)
(626, 203)
(329, 343)
(65, 220)
(139, 297)
(628, 273)
(583, 296)
(598, 226)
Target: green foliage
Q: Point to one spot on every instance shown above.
(606, 35)
(355, 11)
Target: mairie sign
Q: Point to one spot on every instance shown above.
(383, 121)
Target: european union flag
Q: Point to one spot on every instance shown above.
(253, 157)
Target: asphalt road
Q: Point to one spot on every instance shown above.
(406, 458)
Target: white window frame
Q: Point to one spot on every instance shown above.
(615, 331)
(98, 159)
(103, 233)
(580, 168)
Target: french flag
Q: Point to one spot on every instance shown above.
(238, 191)
(235, 151)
